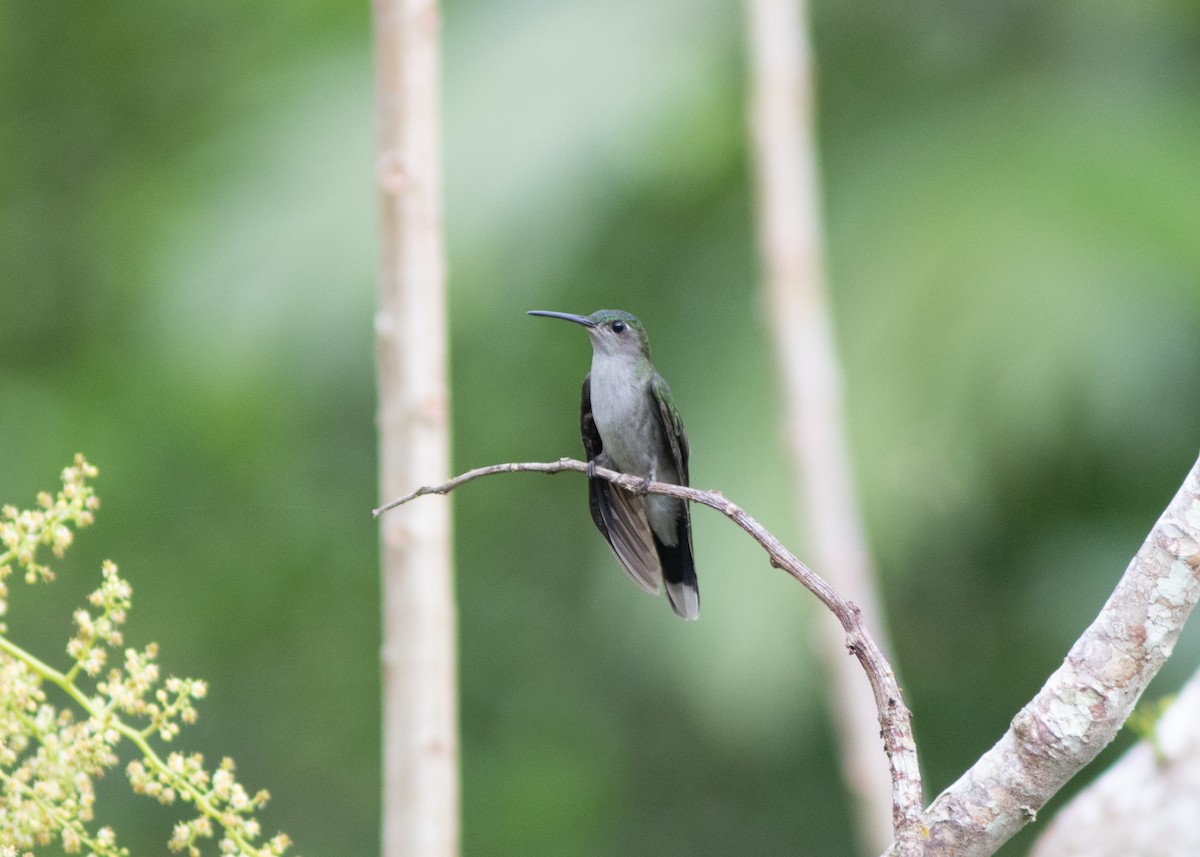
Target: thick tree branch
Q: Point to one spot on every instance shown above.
(1145, 803)
(895, 720)
(1083, 704)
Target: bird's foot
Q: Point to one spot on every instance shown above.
(644, 488)
(591, 469)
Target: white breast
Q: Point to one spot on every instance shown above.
(628, 420)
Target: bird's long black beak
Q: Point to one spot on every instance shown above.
(578, 319)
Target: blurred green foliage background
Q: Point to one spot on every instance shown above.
(187, 257)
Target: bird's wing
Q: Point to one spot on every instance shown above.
(678, 566)
(618, 515)
(672, 426)
(628, 533)
(593, 448)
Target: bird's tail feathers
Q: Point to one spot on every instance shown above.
(679, 572)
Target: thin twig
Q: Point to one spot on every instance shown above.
(895, 720)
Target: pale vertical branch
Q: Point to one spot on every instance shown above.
(420, 740)
(798, 316)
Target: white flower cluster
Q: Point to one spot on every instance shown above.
(50, 757)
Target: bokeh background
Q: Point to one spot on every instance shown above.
(187, 258)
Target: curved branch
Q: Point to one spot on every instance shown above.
(1083, 704)
(895, 720)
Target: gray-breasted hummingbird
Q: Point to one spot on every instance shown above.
(629, 424)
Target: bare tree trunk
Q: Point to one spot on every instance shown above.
(1147, 804)
(420, 736)
(790, 247)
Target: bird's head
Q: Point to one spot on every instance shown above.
(614, 333)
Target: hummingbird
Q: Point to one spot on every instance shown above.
(629, 424)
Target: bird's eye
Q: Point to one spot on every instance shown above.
(618, 326)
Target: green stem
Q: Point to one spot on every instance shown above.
(93, 709)
(61, 819)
